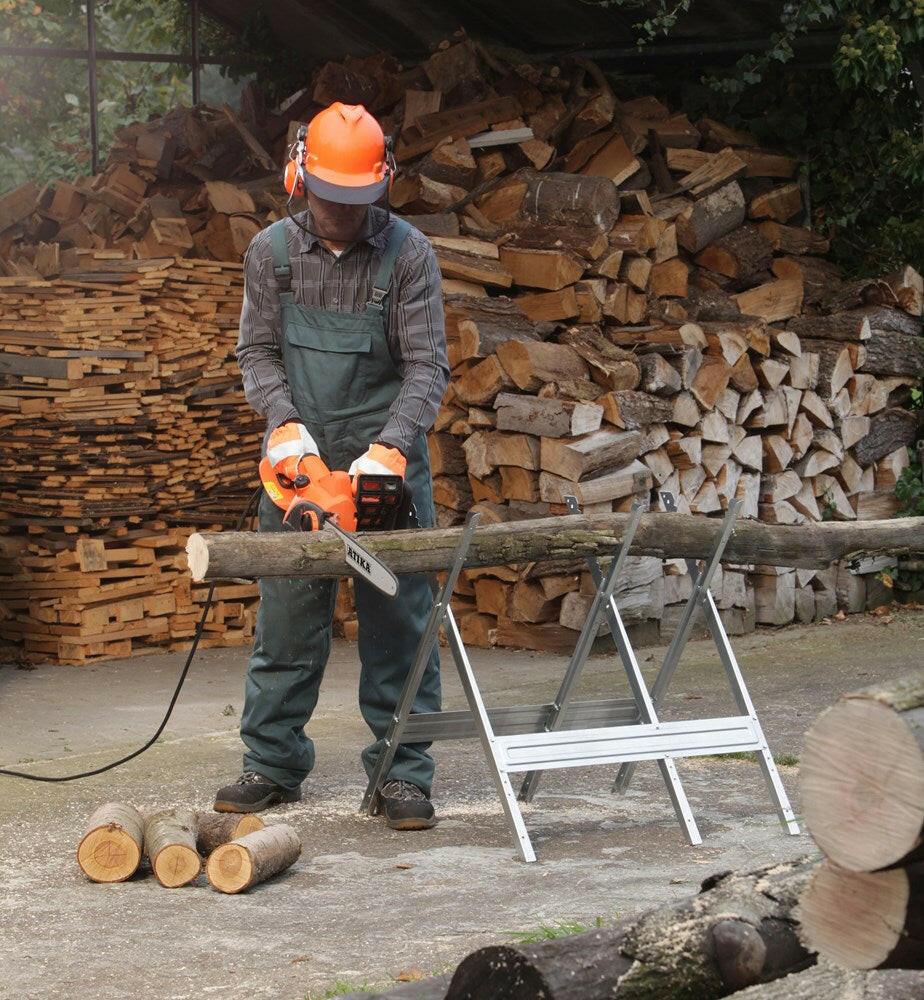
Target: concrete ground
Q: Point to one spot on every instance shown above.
(364, 903)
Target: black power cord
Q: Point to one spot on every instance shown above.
(251, 504)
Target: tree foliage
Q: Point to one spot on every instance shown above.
(44, 102)
(855, 118)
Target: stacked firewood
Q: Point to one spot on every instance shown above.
(633, 304)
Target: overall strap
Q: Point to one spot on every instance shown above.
(282, 268)
(382, 281)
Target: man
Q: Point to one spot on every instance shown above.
(342, 347)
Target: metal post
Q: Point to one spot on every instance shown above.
(194, 45)
(91, 74)
(701, 584)
(602, 598)
(415, 674)
(646, 710)
(489, 742)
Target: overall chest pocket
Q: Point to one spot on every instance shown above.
(328, 357)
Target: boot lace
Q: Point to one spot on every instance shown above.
(403, 790)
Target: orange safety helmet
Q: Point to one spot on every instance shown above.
(342, 156)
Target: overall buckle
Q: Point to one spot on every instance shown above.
(283, 276)
(378, 297)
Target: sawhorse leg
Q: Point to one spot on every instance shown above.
(627, 656)
(701, 598)
(441, 615)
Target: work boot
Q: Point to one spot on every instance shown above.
(406, 807)
(253, 792)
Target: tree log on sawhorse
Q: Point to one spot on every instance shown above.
(250, 555)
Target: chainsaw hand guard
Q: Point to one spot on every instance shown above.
(303, 515)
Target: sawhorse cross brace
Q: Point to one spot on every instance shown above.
(567, 733)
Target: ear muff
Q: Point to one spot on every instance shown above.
(292, 179)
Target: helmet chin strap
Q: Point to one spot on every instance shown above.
(368, 229)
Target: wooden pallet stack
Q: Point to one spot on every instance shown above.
(633, 303)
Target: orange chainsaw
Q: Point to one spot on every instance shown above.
(318, 499)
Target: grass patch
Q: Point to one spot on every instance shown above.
(783, 760)
(342, 987)
(558, 929)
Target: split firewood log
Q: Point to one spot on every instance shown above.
(215, 828)
(243, 863)
(170, 844)
(110, 849)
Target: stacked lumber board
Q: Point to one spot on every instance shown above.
(633, 303)
(122, 427)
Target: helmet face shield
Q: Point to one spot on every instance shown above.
(365, 194)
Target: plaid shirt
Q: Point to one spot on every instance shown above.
(416, 326)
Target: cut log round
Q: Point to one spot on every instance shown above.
(110, 850)
(231, 554)
(863, 776)
(865, 920)
(215, 828)
(246, 862)
(170, 844)
(830, 982)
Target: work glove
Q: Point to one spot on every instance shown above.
(380, 460)
(287, 445)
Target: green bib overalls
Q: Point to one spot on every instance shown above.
(342, 381)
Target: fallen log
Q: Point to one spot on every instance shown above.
(110, 849)
(863, 776)
(170, 844)
(738, 931)
(214, 828)
(250, 860)
(865, 920)
(231, 554)
(830, 982)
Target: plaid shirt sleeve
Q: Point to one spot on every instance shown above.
(258, 352)
(417, 336)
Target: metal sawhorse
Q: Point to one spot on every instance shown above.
(566, 733)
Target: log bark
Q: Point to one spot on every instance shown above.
(215, 828)
(865, 920)
(229, 554)
(250, 860)
(889, 430)
(711, 218)
(737, 932)
(110, 849)
(894, 354)
(170, 844)
(863, 776)
(546, 417)
(830, 982)
(570, 199)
